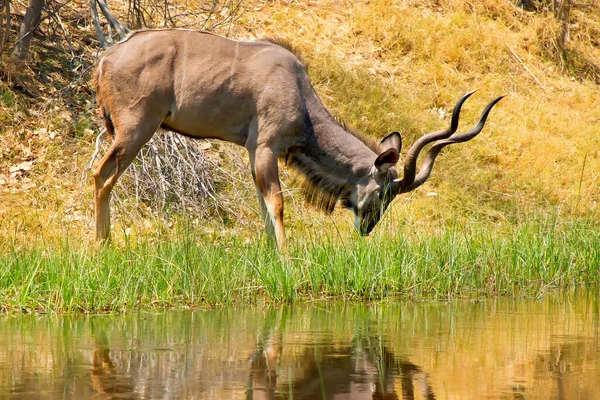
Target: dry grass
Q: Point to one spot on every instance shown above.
(382, 66)
(391, 65)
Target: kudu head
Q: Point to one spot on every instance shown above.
(373, 193)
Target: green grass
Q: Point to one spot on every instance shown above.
(187, 269)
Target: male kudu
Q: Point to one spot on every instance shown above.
(256, 94)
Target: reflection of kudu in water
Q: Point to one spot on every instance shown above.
(132, 374)
(106, 377)
(363, 369)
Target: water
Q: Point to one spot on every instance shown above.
(500, 348)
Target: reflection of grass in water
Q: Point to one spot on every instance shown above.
(188, 268)
(501, 340)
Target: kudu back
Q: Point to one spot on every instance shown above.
(256, 94)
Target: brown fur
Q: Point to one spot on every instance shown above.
(369, 141)
(320, 191)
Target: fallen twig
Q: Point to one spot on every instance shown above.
(526, 68)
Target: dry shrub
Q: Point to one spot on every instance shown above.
(173, 174)
(209, 15)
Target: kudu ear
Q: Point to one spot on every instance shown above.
(387, 159)
(391, 146)
(392, 141)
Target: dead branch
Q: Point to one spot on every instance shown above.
(525, 67)
(106, 40)
(228, 12)
(210, 15)
(53, 14)
(121, 29)
(562, 11)
(135, 14)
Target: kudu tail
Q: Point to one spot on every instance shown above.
(100, 91)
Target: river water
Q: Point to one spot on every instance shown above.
(501, 348)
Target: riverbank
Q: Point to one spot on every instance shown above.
(186, 268)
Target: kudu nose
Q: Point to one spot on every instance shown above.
(365, 226)
(368, 230)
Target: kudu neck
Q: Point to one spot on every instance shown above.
(336, 150)
(331, 159)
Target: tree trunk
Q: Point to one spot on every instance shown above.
(562, 11)
(4, 20)
(30, 23)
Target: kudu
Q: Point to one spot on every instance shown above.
(256, 94)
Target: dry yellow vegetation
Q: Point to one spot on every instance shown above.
(382, 66)
(400, 65)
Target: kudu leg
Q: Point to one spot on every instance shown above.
(121, 154)
(265, 172)
(105, 177)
